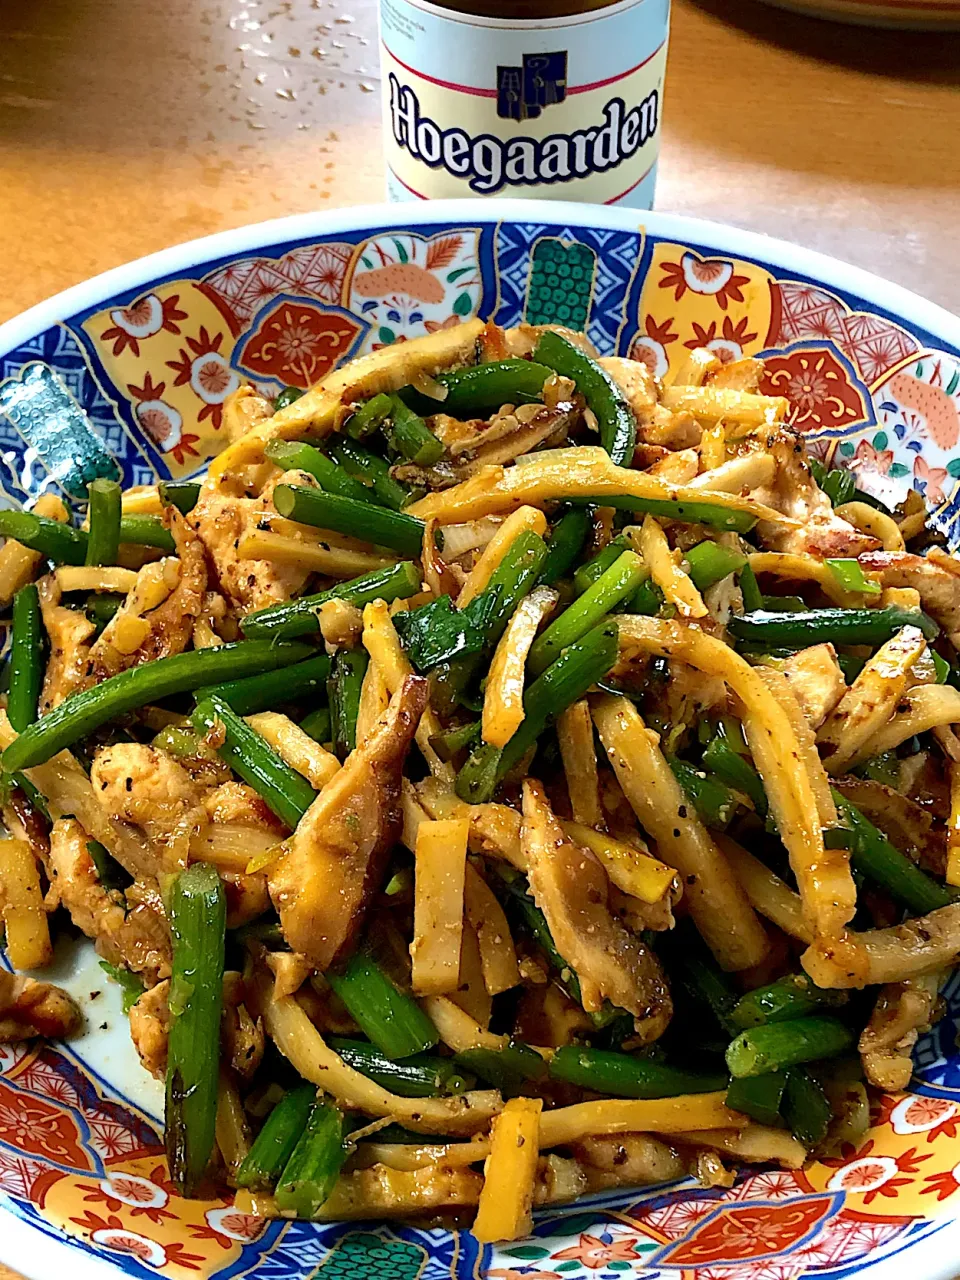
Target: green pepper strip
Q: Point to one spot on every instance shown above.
(840, 626)
(691, 962)
(793, 996)
(287, 397)
(198, 914)
(602, 597)
(182, 494)
(722, 758)
(286, 792)
(298, 456)
(420, 1076)
(726, 519)
(579, 667)
(879, 860)
(566, 542)
(274, 1144)
(715, 803)
(82, 713)
(588, 573)
(370, 416)
(506, 1069)
(300, 617)
(317, 725)
(103, 540)
(370, 470)
(343, 692)
(621, 1076)
(647, 599)
(759, 1097)
(806, 1108)
(481, 389)
(750, 589)
(787, 1044)
(394, 1022)
(100, 608)
(312, 1171)
(708, 563)
(513, 578)
(408, 434)
(401, 533)
(618, 427)
(131, 987)
(850, 576)
(271, 688)
(26, 658)
(520, 904)
(58, 542)
(109, 872)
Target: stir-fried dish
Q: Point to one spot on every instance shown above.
(504, 777)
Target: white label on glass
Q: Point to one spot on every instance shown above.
(560, 108)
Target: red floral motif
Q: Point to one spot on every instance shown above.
(38, 1128)
(142, 1196)
(122, 1240)
(677, 1217)
(919, 1114)
(433, 326)
(177, 1253)
(206, 370)
(142, 319)
(651, 348)
(816, 385)
(746, 1232)
(297, 343)
(112, 1232)
(714, 277)
(228, 1226)
(184, 448)
(660, 332)
(594, 1253)
(869, 460)
(943, 1184)
(149, 391)
(735, 334)
(42, 1076)
(874, 344)
(931, 478)
(91, 1221)
(862, 1172)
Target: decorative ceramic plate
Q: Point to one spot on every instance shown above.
(127, 375)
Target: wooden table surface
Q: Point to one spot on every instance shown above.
(127, 125)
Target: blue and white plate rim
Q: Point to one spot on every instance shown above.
(33, 1252)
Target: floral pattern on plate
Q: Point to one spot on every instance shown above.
(135, 381)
